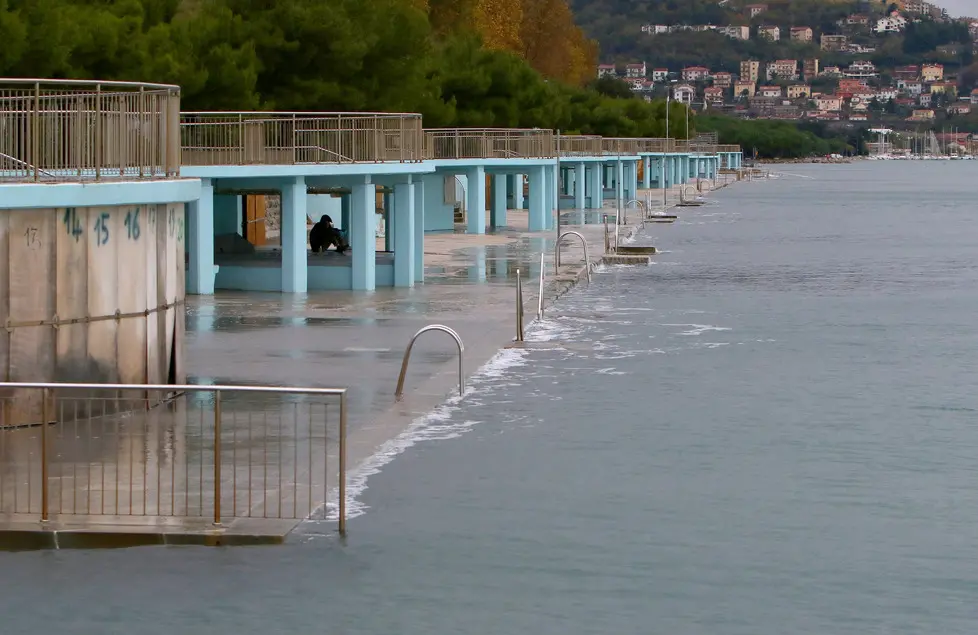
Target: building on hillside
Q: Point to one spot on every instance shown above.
(695, 73)
(914, 87)
(736, 32)
(885, 94)
(925, 100)
(750, 70)
(772, 33)
(635, 71)
(769, 91)
(894, 23)
(832, 71)
(959, 109)
(783, 69)
(828, 103)
(802, 33)
(833, 42)
(861, 69)
(754, 10)
(851, 85)
(684, 93)
(945, 88)
(809, 69)
(797, 91)
(655, 29)
(607, 70)
(919, 7)
(713, 95)
(922, 114)
(907, 72)
(932, 72)
(660, 74)
(858, 20)
(723, 79)
(744, 87)
(974, 97)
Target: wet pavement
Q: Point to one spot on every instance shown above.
(335, 339)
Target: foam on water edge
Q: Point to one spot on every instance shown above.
(437, 425)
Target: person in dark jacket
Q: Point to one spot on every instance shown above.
(323, 234)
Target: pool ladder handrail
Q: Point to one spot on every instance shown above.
(543, 270)
(519, 306)
(587, 258)
(407, 357)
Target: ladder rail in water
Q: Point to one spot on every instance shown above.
(407, 358)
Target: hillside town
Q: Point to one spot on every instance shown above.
(840, 83)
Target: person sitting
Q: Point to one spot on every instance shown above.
(323, 234)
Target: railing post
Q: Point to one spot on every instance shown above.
(341, 503)
(217, 458)
(98, 132)
(519, 306)
(607, 243)
(44, 455)
(35, 130)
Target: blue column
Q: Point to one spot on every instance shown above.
(363, 236)
(619, 183)
(631, 180)
(404, 234)
(538, 199)
(517, 191)
(580, 179)
(420, 203)
(388, 220)
(660, 172)
(500, 203)
(227, 214)
(548, 197)
(295, 239)
(345, 213)
(594, 179)
(646, 172)
(475, 204)
(554, 192)
(200, 241)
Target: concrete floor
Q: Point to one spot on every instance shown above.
(163, 463)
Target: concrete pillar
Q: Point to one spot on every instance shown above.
(619, 183)
(404, 234)
(518, 191)
(552, 174)
(420, 204)
(597, 194)
(500, 203)
(363, 236)
(294, 237)
(200, 241)
(580, 179)
(538, 199)
(646, 172)
(388, 217)
(345, 213)
(475, 203)
(631, 181)
(227, 214)
(660, 172)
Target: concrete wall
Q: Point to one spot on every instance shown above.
(93, 294)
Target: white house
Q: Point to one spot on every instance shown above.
(633, 71)
(893, 23)
(736, 32)
(606, 70)
(684, 93)
(660, 74)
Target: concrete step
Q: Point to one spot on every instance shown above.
(646, 250)
(626, 259)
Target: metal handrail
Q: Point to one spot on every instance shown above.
(399, 392)
(49, 392)
(587, 258)
(543, 268)
(519, 307)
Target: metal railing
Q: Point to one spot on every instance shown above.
(587, 258)
(581, 145)
(172, 451)
(727, 147)
(57, 130)
(290, 138)
(399, 392)
(489, 143)
(543, 272)
(519, 307)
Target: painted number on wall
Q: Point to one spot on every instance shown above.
(102, 229)
(33, 242)
(73, 226)
(175, 224)
(132, 224)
